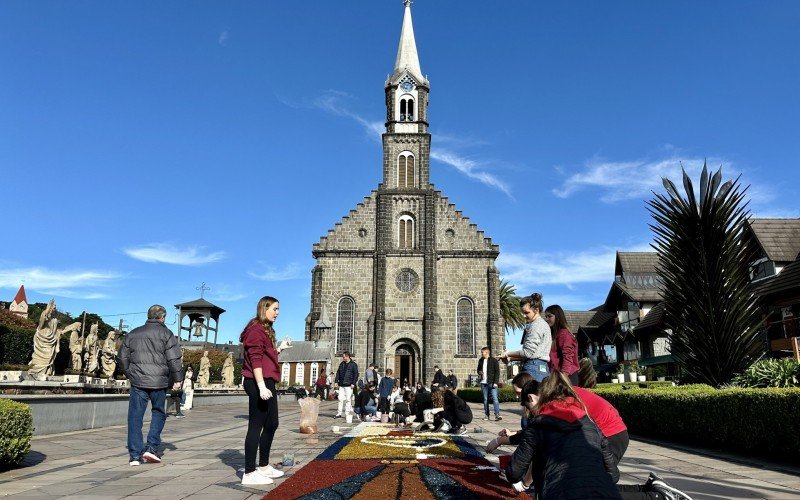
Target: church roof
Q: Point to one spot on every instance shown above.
(305, 351)
(21, 297)
(407, 58)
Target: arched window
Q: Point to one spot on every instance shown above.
(405, 170)
(285, 373)
(345, 324)
(465, 327)
(405, 232)
(314, 373)
(406, 108)
(299, 373)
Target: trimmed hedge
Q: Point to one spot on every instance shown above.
(15, 433)
(751, 421)
(627, 385)
(474, 395)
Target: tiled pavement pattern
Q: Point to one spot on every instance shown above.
(203, 451)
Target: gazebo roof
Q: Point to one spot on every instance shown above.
(201, 305)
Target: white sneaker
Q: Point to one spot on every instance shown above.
(270, 472)
(134, 463)
(254, 478)
(151, 457)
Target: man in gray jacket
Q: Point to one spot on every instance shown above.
(150, 357)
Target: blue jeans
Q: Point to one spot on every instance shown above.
(487, 388)
(371, 409)
(537, 368)
(137, 405)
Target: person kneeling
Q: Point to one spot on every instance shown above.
(366, 405)
(456, 412)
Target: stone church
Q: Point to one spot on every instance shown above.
(405, 280)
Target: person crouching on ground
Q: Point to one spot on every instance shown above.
(366, 402)
(260, 372)
(457, 412)
(560, 454)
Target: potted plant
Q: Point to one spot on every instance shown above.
(633, 368)
(620, 373)
(660, 373)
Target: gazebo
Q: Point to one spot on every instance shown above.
(200, 313)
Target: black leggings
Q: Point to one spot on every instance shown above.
(618, 443)
(261, 425)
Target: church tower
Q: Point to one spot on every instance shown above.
(411, 280)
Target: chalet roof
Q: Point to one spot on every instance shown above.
(303, 351)
(636, 293)
(788, 279)
(20, 297)
(779, 238)
(636, 262)
(652, 319)
(577, 319)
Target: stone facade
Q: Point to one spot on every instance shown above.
(395, 269)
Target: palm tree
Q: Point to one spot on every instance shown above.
(509, 307)
(704, 258)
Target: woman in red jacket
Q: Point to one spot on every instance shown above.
(564, 350)
(260, 372)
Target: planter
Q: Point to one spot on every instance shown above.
(661, 379)
(621, 378)
(614, 381)
(642, 378)
(632, 376)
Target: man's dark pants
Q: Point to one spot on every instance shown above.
(137, 405)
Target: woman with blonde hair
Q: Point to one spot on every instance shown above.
(260, 372)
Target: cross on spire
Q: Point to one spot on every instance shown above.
(202, 289)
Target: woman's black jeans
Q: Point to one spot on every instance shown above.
(261, 426)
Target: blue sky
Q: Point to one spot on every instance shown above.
(146, 147)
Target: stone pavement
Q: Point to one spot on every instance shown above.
(203, 452)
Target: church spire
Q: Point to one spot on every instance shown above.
(407, 58)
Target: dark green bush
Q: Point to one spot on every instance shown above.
(16, 432)
(474, 395)
(628, 385)
(16, 344)
(770, 373)
(760, 421)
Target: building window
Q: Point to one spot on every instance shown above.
(345, 323)
(406, 109)
(405, 170)
(465, 326)
(285, 373)
(314, 373)
(299, 373)
(406, 280)
(405, 235)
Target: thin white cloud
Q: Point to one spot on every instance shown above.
(70, 283)
(636, 179)
(166, 253)
(531, 271)
(333, 101)
(292, 271)
(223, 38)
(226, 293)
(472, 169)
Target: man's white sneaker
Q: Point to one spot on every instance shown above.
(255, 478)
(270, 472)
(134, 463)
(151, 457)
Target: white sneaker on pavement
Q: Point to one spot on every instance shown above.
(254, 478)
(151, 457)
(134, 463)
(270, 472)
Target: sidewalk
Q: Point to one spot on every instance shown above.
(203, 451)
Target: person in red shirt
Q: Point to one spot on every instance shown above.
(564, 349)
(260, 372)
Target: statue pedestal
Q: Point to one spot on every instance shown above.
(11, 376)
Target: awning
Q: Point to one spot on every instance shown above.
(657, 360)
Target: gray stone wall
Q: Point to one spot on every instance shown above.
(454, 231)
(419, 145)
(356, 231)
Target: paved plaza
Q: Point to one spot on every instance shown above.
(203, 452)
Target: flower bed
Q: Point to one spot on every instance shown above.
(375, 461)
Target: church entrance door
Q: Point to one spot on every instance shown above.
(404, 366)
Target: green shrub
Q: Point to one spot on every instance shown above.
(628, 385)
(762, 421)
(15, 433)
(16, 344)
(770, 373)
(474, 395)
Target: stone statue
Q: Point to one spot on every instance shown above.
(205, 371)
(46, 343)
(76, 350)
(227, 371)
(91, 349)
(109, 355)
